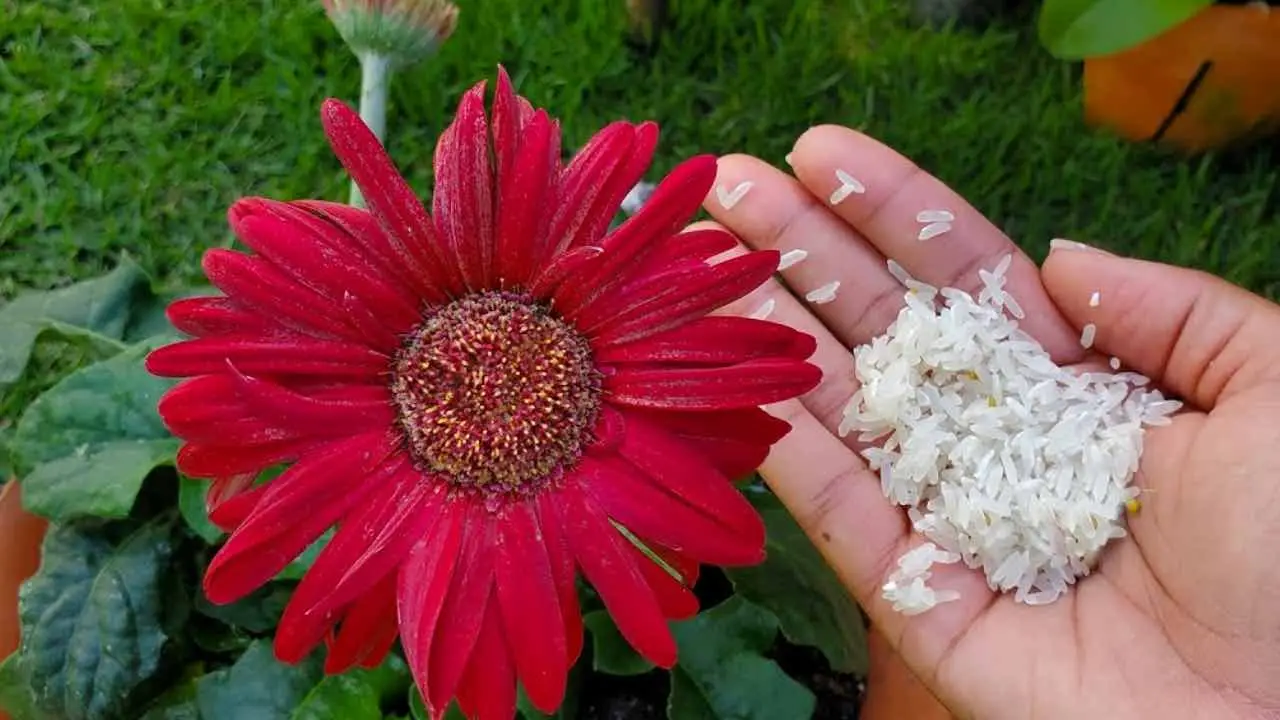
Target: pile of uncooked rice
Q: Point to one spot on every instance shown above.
(1004, 460)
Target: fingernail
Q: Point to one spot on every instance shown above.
(1064, 244)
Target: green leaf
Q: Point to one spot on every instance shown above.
(191, 494)
(611, 653)
(15, 691)
(1077, 29)
(301, 564)
(92, 618)
(725, 673)
(418, 708)
(177, 703)
(102, 306)
(257, 686)
(257, 612)
(795, 584)
(93, 438)
(355, 695)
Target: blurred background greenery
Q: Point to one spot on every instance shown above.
(129, 126)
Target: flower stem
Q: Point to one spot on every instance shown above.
(375, 77)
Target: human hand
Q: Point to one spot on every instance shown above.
(1182, 618)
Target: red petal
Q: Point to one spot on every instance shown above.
(488, 689)
(605, 205)
(605, 559)
(563, 573)
(390, 199)
(296, 508)
(295, 241)
(735, 441)
(673, 466)
(464, 608)
(202, 316)
(691, 247)
(425, 580)
(676, 601)
(370, 542)
(652, 512)
(665, 302)
(367, 632)
(463, 200)
(264, 288)
(563, 267)
(525, 192)
(508, 128)
(681, 563)
(748, 384)
(583, 187)
(715, 340)
(674, 202)
(229, 500)
(348, 411)
(204, 460)
(530, 609)
(255, 355)
(367, 236)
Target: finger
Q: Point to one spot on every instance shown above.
(1194, 334)
(778, 213)
(888, 214)
(838, 501)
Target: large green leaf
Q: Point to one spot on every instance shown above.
(795, 584)
(257, 612)
(355, 695)
(1077, 29)
(611, 653)
(15, 691)
(92, 618)
(723, 673)
(93, 438)
(103, 306)
(191, 496)
(257, 686)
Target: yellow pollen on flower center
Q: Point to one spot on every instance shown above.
(495, 393)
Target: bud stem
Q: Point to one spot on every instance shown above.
(375, 77)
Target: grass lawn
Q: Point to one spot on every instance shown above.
(128, 127)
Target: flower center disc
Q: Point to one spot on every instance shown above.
(495, 393)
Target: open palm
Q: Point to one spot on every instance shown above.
(1182, 619)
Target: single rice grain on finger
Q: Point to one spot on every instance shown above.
(791, 257)
(933, 230)
(1087, 335)
(764, 311)
(934, 216)
(1095, 299)
(824, 294)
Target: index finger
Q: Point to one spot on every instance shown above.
(913, 218)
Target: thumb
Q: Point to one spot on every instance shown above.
(1196, 335)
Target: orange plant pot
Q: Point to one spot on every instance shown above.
(1207, 83)
(20, 536)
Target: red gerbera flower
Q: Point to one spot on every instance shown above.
(483, 400)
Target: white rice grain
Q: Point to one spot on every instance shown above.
(849, 185)
(1087, 335)
(824, 294)
(1095, 299)
(764, 311)
(935, 216)
(732, 197)
(1020, 468)
(933, 230)
(791, 257)
(1114, 363)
